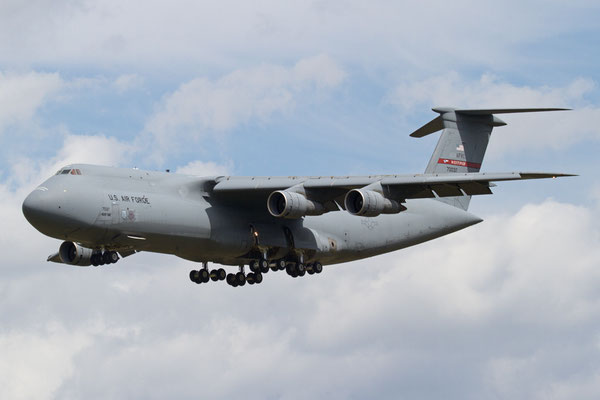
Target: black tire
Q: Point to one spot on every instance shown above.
(240, 278)
(94, 259)
(203, 275)
(300, 268)
(290, 269)
(281, 264)
(193, 275)
(258, 278)
(318, 267)
(263, 266)
(254, 266)
(309, 269)
(214, 275)
(106, 257)
(250, 278)
(114, 257)
(301, 272)
(230, 279)
(221, 274)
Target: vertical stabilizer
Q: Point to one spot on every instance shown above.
(463, 142)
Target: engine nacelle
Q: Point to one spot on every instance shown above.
(286, 204)
(73, 254)
(368, 203)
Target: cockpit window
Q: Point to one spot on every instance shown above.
(74, 171)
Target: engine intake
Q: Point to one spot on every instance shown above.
(74, 254)
(286, 204)
(368, 203)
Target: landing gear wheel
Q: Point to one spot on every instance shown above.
(214, 275)
(240, 278)
(300, 269)
(231, 280)
(94, 260)
(318, 267)
(250, 278)
(301, 272)
(281, 264)
(106, 257)
(258, 278)
(310, 269)
(113, 257)
(290, 269)
(203, 275)
(263, 266)
(254, 266)
(194, 276)
(221, 274)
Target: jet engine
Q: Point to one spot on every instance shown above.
(368, 203)
(286, 204)
(73, 254)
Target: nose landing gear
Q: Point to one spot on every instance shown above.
(102, 258)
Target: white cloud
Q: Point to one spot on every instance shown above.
(193, 34)
(35, 364)
(241, 95)
(21, 95)
(203, 107)
(127, 82)
(202, 168)
(526, 131)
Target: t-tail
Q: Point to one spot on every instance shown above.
(464, 140)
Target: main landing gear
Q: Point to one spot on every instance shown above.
(299, 269)
(203, 275)
(258, 268)
(102, 258)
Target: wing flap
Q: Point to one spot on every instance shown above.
(475, 188)
(447, 190)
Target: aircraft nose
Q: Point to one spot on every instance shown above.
(34, 209)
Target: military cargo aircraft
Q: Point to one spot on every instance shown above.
(295, 223)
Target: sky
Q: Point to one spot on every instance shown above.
(506, 309)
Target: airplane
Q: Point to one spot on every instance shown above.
(295, 223)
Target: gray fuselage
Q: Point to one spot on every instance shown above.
(130, 209)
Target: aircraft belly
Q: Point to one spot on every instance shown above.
(362, 237)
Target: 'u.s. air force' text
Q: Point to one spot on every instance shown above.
(129, 199)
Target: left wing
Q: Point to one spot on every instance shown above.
(294, 197)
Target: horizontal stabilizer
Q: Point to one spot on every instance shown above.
(437, 123)
(507, 110)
